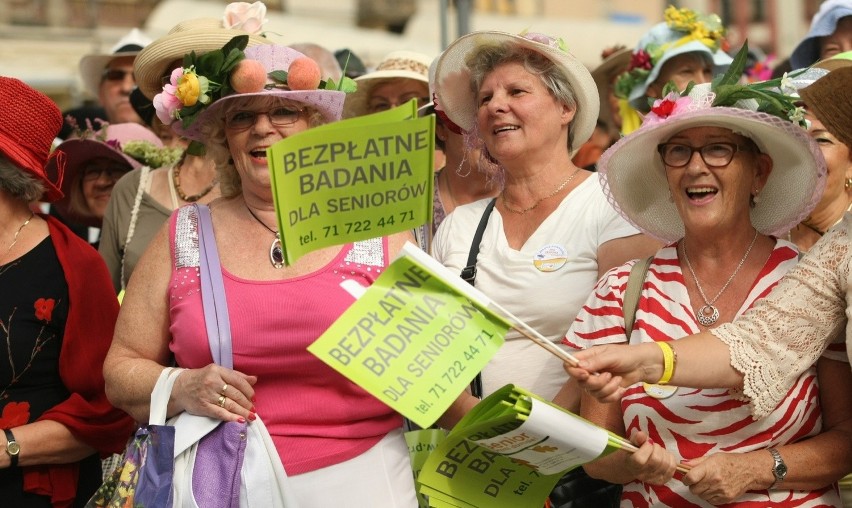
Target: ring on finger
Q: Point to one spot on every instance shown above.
(223, 390)
(221, 401)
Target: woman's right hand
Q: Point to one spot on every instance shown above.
(605, 371)
(651, 463)
(200, 391)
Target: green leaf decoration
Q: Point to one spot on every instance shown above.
(735, 71)
(196, 148)
(278, 76)
(239, 42)
(347, 85)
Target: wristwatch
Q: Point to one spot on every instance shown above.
(13, 449)
(779, 469)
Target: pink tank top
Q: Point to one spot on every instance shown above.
(316, 416)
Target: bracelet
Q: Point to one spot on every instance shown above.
(669, 362)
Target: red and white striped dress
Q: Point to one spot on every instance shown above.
(693, 423)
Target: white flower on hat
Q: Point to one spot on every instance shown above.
(245, 16)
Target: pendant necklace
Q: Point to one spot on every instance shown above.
(18, 232)
(276, 254)
(708, 314)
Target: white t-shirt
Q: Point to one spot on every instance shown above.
(548, 301)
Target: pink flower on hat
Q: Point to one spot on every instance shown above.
(553, 42)
(166, 103)
(245, 16)
(671, 105)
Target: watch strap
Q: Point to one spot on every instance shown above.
(779, 468)
(12, 447)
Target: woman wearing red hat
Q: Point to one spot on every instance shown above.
(54, 415)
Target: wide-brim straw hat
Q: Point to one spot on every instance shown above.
(634, 178)
(603, 74)
(329, 103)
(29, 122)
(101, 145)
(202, 35)
(828, 98)
(835, 62)
(823, 23)
(92, 66)
(457, 99)
(395, 65)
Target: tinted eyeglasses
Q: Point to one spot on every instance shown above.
(116, 75)
(280, 116)
(714, 155)
(93, 173)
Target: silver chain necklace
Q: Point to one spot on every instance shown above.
(276, 255)
(18, 232)
(708, 314)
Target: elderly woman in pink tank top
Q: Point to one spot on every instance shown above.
(339, 445)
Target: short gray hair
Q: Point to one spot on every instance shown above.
(489, 57)
(18, 182)
(216, 142)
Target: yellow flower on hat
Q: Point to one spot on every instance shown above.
(192, 88)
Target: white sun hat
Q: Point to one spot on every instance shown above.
(92, 66)
(634, 178)
(457, 99)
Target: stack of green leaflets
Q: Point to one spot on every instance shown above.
(510, 451)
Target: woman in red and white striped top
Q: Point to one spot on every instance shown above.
(722, 185)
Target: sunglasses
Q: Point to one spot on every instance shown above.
(116, 75)
(280, 116)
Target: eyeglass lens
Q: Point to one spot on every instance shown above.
(116, 74)
(280, 116)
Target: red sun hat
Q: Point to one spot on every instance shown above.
(29, 122)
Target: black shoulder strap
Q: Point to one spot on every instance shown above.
(468, 273)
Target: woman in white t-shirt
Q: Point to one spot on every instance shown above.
(529, 104)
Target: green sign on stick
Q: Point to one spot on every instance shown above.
(415, 338)
(353, 180)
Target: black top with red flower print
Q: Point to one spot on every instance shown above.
(33, 310)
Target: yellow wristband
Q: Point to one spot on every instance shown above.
(669, 362)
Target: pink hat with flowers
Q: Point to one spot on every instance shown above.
(113, 142)
(634, 178)
(197, 92)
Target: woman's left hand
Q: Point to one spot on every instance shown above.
(217, 392)
(720, 478)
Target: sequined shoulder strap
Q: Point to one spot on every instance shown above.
(186, 238)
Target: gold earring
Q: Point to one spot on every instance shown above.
(848, 183)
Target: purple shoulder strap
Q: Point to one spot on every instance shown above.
(213, 291)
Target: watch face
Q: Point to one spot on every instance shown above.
(781, 470)
(13, 448)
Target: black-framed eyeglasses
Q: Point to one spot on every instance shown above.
(116, 74)
(280, 116)
(714, 155)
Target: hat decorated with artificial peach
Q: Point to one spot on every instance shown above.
(634, 177)
(198, 90)
(29, 122)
